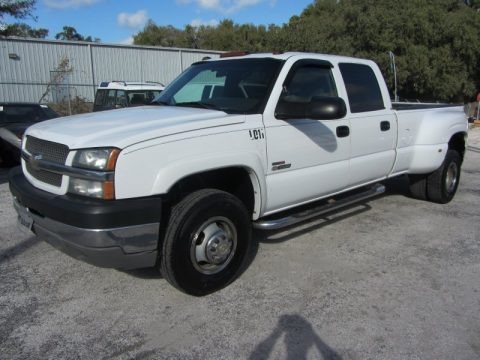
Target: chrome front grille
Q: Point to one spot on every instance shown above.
(47, 150)
(45, 176)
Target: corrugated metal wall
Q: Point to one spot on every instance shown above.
(26, 66)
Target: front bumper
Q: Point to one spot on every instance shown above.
(119, 234)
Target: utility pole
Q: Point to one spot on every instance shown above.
(478, 107)
(394, 69)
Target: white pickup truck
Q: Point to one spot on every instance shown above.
(231, 142)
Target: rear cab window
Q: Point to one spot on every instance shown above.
(362, 86)
(141, 97)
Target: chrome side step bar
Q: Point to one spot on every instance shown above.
(274, 224)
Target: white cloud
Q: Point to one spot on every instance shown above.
(127, 41)
(66, 4)
(199, 22)
(134, 20)
(209, 4)
(239, 4)
(225, 6)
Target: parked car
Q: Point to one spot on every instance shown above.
(120, 94)
(181, 184)
(15, 118)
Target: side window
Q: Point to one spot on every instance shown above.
(308, 82)
(150, 95)
(121, 100)
(362, 88)
(303, 84)
(110, 99)
(100, 97)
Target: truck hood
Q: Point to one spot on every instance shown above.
(125, 127)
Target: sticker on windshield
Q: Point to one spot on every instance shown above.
(1, 108)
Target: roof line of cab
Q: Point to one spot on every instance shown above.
(287, 55)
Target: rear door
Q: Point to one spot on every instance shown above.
(373, 127)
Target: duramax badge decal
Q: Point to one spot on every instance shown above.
(256, 134)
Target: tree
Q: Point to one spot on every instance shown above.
(160, 36)
(19, 9)
(62, 70)
(436, 43)
(69, 33)
(473, 3)
(24, 30)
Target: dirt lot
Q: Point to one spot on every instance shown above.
(392, 279)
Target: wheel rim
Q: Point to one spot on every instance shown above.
(213, 245)
(451, 177)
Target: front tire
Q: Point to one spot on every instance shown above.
(206, 243)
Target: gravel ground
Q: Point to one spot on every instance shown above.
(395, 278)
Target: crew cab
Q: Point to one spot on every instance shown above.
(262, 140)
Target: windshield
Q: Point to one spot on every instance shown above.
(234, 86)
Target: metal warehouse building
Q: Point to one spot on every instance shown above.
(30, 67)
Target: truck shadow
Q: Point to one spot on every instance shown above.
(318, 133)
(395, 186)
(473, 149)
(151, 273)
(18, 249)
(299, 339)
(4, 174)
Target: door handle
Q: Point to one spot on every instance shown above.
(343, 131)
(385, 125)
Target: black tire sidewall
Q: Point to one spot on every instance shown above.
(179, 240)
(452, 156)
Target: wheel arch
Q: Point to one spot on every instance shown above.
(242, 179)
(236, 180)
(458, 142)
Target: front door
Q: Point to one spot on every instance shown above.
(307, 159)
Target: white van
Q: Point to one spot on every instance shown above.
(119, 94)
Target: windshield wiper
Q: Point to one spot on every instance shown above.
(198, 104)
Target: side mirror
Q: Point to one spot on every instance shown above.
(318, 108)
(326, 108)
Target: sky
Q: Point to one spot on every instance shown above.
(116, 21)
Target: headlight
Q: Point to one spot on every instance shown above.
(96, 189)
(96, 159)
